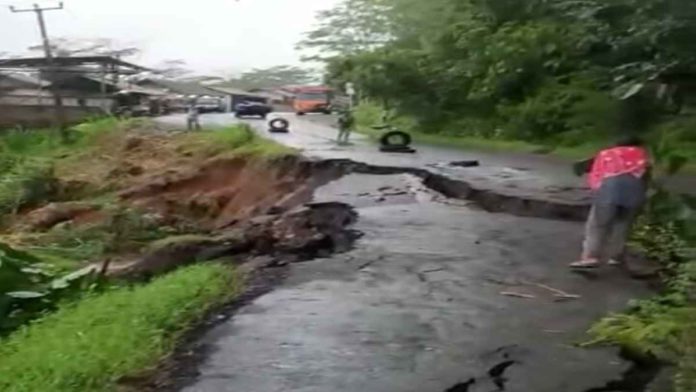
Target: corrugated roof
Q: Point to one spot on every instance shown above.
(143, 90)
(179, 87)
(233, 91)
(68, 61)
(25, 78)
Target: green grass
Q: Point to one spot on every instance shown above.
(27, 159)
(238, 140)
(90, 345)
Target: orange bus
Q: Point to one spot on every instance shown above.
(311, 99)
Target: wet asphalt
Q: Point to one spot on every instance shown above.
(434, 296)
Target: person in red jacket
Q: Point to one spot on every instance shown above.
(618, 180)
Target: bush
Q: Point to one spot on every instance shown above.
(567, 114)
(27, 183)
(90, 345)
(368, 114)
(28, 287)
(539, 116)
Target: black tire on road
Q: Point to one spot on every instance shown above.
(278, 125)
(300, 113)
(387, 139)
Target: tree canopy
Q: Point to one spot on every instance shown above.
(533, 68)
(280, 75)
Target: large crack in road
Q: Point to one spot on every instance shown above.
(420, 303)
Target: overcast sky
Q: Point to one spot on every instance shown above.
(212, 36)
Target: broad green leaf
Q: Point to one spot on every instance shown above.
(25, 294)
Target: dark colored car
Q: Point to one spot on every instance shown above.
(209, 105)
(252, 109)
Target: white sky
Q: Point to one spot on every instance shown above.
(212, 36)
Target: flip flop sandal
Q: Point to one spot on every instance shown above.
(585, 264)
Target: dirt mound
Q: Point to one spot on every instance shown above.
(316, 229)
(118, 160)
(225, 191)
(55, 213)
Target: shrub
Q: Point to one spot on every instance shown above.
(27, 183)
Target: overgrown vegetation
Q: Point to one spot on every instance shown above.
(96, 330)
(561, 73)
(29, 287)
(92, 344)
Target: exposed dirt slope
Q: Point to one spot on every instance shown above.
(223, 191)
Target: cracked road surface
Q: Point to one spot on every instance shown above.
(434, 297)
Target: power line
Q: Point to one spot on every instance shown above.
(57, 99)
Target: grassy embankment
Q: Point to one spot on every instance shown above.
(107, 333)
(91, 344)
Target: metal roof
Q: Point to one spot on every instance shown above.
(35, 62)
(28, 79)
(233, 91)
(178, 87)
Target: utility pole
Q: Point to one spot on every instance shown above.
(50, 69)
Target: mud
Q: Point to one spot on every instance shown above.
(225, 191)
(54, 213)
(303, 233)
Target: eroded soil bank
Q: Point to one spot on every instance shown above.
(418, 304)
(414, 305)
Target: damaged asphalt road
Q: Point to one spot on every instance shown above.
(435, 296)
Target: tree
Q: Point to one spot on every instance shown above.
(349, 28)
(277, 76)
(502, 60)
(174, 68)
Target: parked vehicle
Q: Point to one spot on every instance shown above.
(259, 109)
(209, 105)
(312, 99)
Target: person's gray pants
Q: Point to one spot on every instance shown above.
(343, 135)
(607, 230)
(193, 124)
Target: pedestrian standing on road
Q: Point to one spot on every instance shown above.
(619, 180)
(192, 115)
(346, 122)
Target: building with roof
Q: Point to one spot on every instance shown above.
(85, 84)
